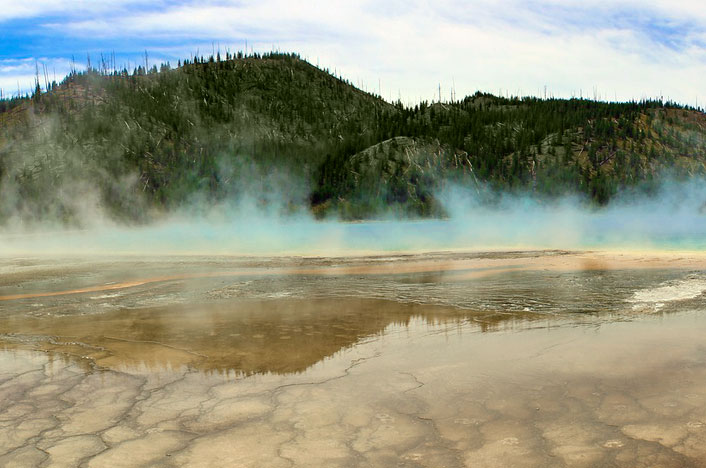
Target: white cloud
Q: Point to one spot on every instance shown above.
(22, 72)
(625, 49)
(14, 9)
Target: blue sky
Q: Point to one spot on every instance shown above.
(407, 49)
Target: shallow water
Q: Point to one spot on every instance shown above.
(483, 359)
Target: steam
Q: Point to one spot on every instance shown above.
(264, 211)
(671, 218)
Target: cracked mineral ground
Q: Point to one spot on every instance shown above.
(536, 359)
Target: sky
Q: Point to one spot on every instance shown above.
(411, 50)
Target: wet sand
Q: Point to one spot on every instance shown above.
(503, 359)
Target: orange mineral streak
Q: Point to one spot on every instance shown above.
(460, 269)
(105, 287)
(347, 270)
(121, 285)
(415, 267)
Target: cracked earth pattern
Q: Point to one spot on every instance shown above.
(343, 381)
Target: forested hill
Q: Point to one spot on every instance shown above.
(278, 131)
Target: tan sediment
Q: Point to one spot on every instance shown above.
(246, 337)
(342, 381)
(556, 396)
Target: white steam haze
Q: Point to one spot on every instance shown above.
(265, 211)
(671, 218)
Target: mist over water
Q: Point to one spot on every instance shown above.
(673, 217)
(265, 209)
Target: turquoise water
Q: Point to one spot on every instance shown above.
(674, 218)
(488, 231)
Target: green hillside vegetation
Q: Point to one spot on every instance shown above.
(275, 128)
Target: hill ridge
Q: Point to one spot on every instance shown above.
(152, 141)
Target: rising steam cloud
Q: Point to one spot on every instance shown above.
(672, 217)
(265, 212)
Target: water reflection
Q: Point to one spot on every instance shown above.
(245, 336)
(349, 362)
(283, 315)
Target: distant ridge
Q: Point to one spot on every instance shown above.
(279, 131)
